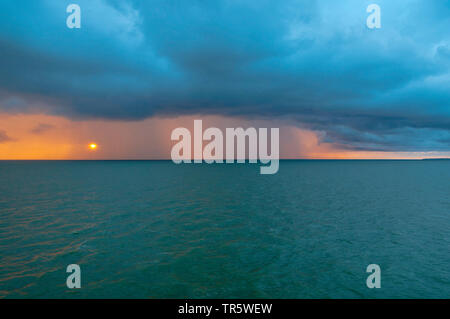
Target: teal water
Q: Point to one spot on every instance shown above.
(142, 229)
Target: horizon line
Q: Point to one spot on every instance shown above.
(281, 159)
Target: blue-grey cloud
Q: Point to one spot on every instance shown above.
(314, 62)
(41, 128)
(4, 137)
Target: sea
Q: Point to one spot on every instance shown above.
(154, 229)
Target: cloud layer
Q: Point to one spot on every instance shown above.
(314, 64)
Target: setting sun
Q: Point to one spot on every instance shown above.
(93, 146)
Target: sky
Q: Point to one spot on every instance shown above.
(136, 70)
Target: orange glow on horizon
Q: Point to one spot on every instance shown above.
(49, 137)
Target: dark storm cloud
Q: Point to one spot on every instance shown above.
(314, 62)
